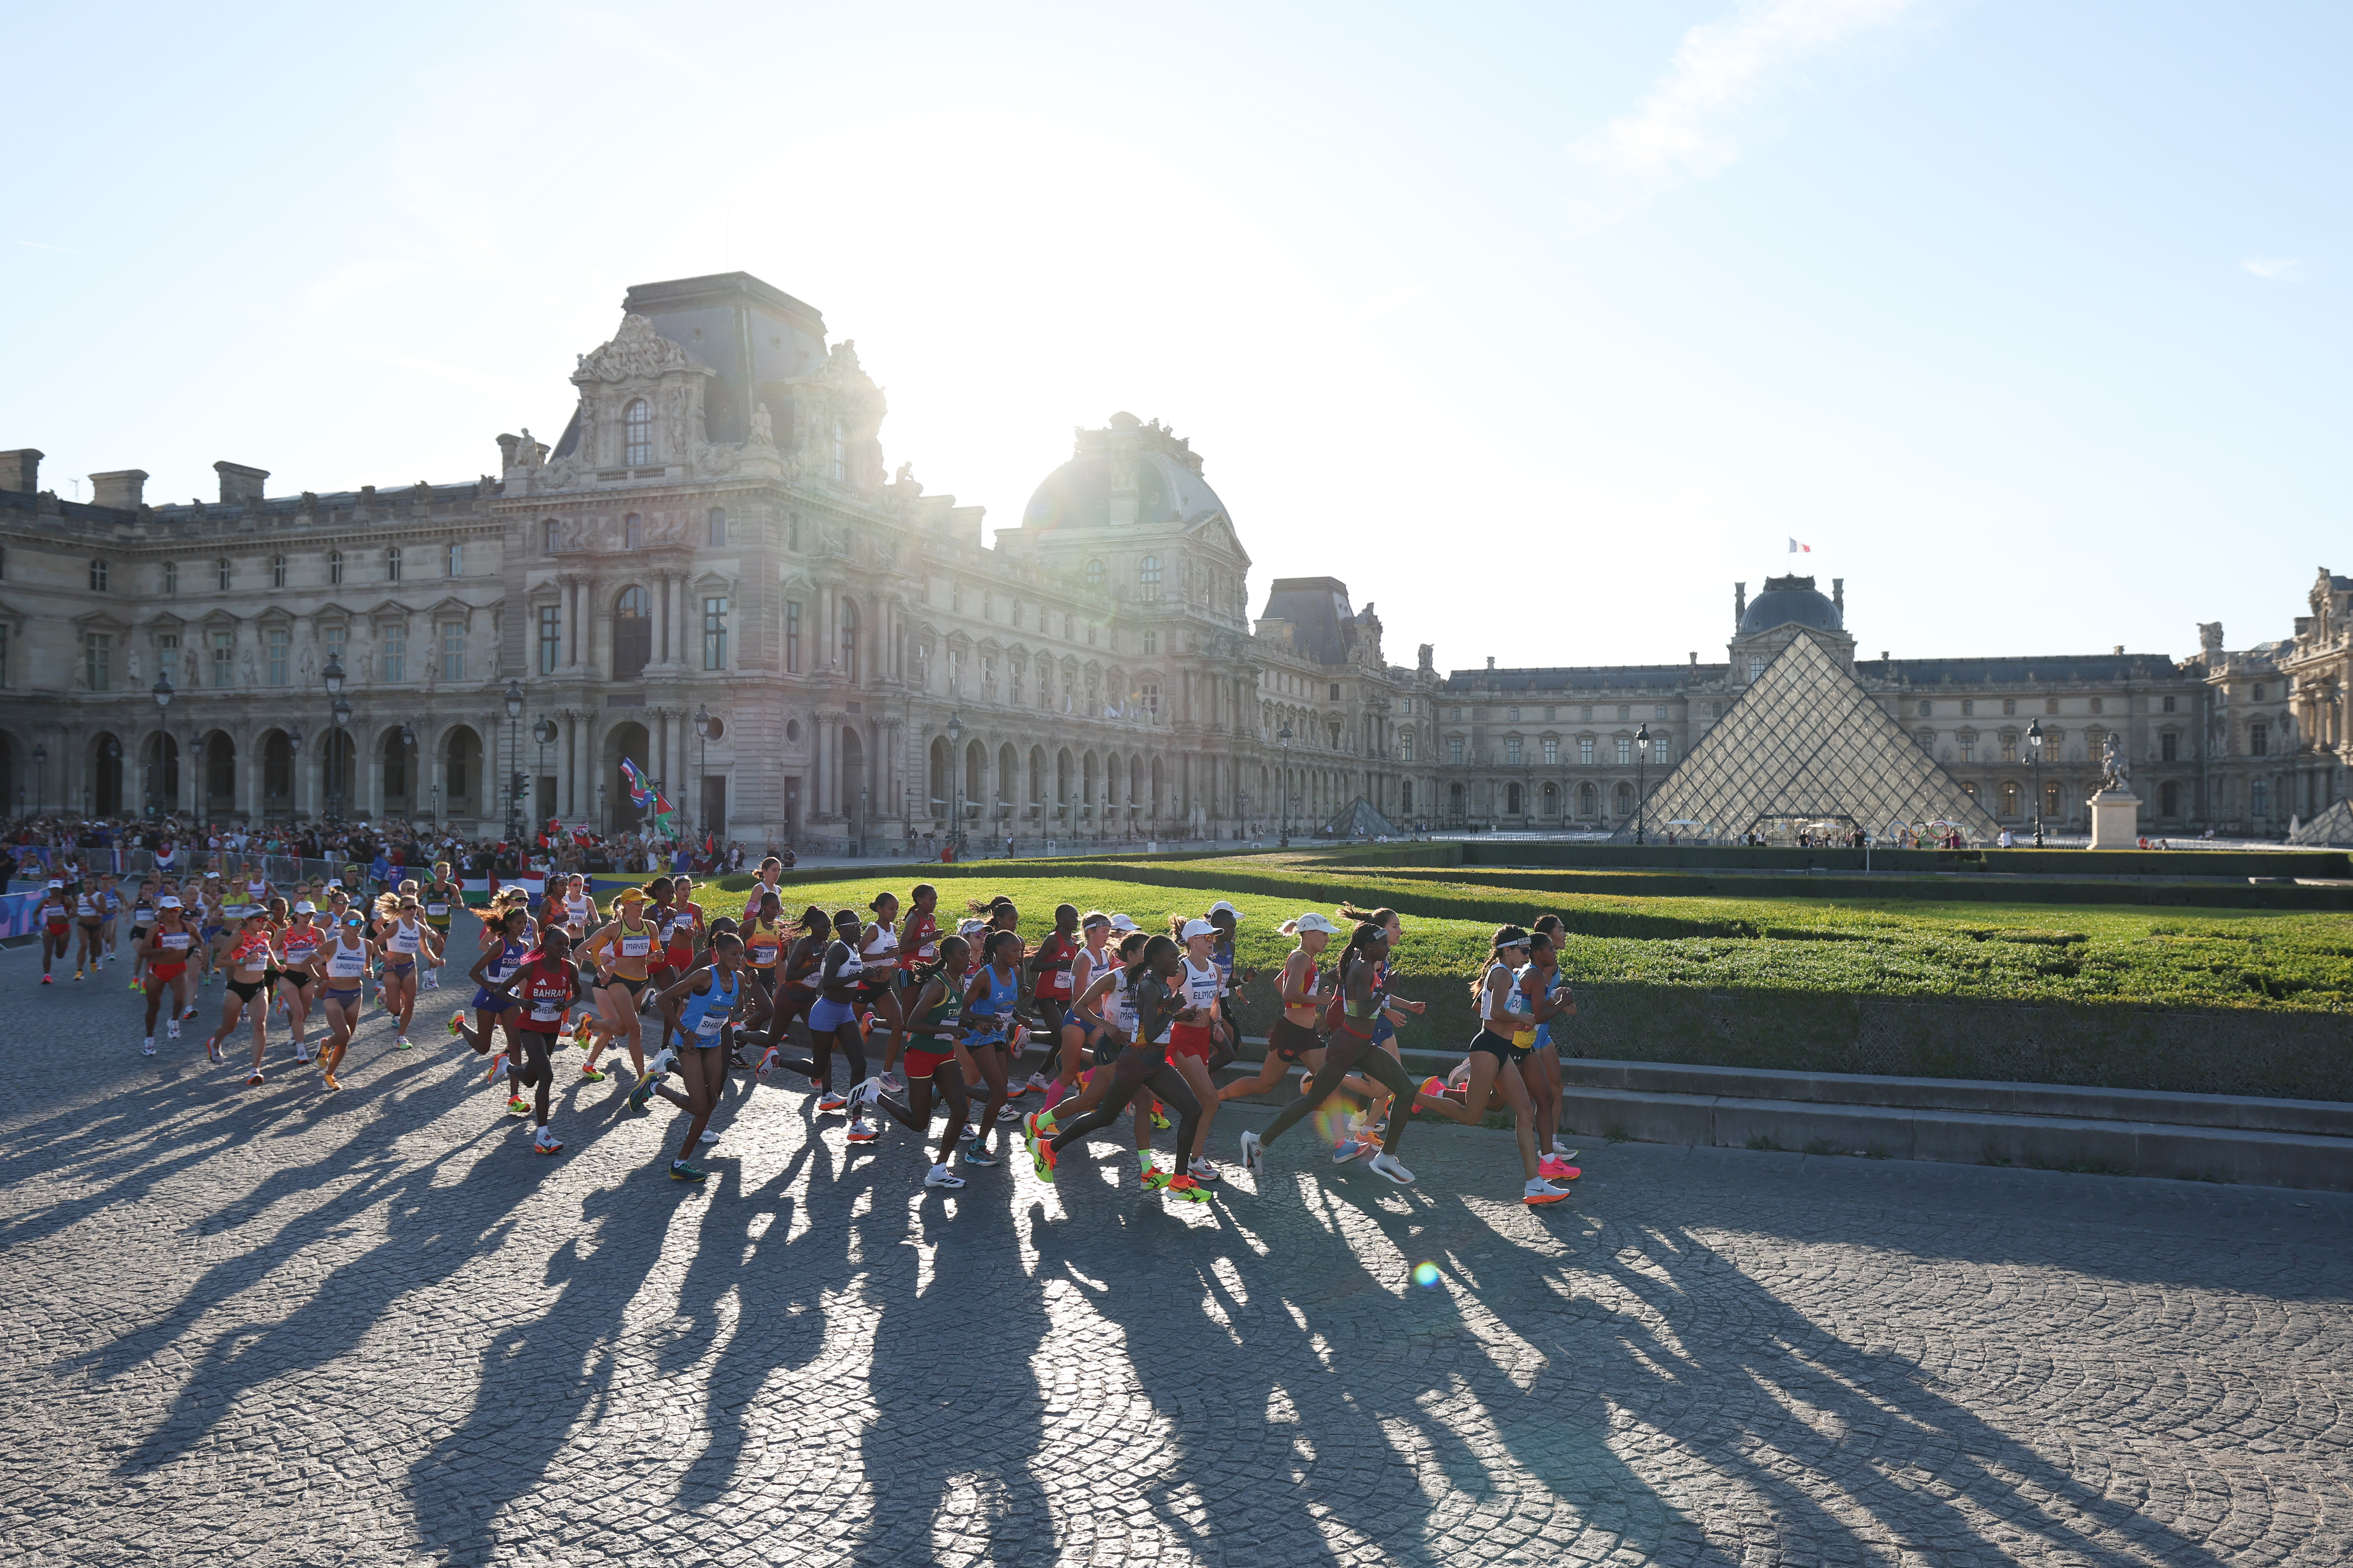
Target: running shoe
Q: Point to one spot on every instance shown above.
(1432, 1088)
(734, 1057)
(589, 1073)
(331, 1083)
(1254, 1154)
(1159, 1119)
(1029, 1126)
(518, 1106)
(253, 1078)
(47, 979)
(865, 1092)
(643, 1092)
(134, 984)
(212, 1050)
(941, 1177)
(1387, 1166)
(580, 1032)
(1346, 1149)
(1155, 1180)
(860, 1132)
(457, 1026)
(191, 1012)
(148, 1049)
(498, 1065)
(1557, 1171)
(77, 974)
(768, 1063)
(1042, 1158)
(546, 1142)
(1187, 1190)
(401, 1043)
(976, 1153)
(301, 1052)
(830, 1103)
(895, 1082)
(1009, 1112)
(1542, 1191)
(664, 1060)
(175, 1029)
(1039, 1082)
(1202, 1170)
(680, 1170)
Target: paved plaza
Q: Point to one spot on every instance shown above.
(266, 1326)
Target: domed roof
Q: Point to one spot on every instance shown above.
(1787, 600)
(1167, 488)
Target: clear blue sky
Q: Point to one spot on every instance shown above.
(1540, 325)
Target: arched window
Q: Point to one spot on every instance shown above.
(633, 633)
(849, 640)
(277, 571)
(391, 563)
(633, 531)
(335, 566)
(221, 573)
(637, 432)
(551, 536)
(717, 520)
(1147, 579)
(1096, 572)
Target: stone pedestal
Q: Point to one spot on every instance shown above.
(2115, 819)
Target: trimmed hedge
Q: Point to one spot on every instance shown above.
(2199, 863)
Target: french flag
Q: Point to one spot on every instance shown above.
(1798, 549)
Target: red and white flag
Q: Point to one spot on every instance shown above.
(1798, 549)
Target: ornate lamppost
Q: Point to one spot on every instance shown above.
(513, 698)
(338, 783)
(702, 769)
(955, 789)
(1283, 735)
(2034, 750)
(408, 779)
(1641, 781)
(163, 693)
(544, 732)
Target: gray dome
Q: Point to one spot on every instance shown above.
(1787, 601)
(1078, 494)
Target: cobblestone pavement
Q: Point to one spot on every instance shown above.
(265, 1326)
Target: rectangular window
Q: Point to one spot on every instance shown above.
(1405, 745)
(1454, 749)
(2258, 739)
(793, 635)
(1150, 698)
(551, 637)
(333, 638)
(2100, 704)
(171, 576)
(224, 658)
(1585, 751)
(1664, 749)
(1014, 671)
(396, 653)
(2169, 705)
(277, 643)
(2008, 705)
(714, 634)
(453, 650)
(1552, 751)
(1151, 642)
(97, 660)
(2009, 748)
(455, 566)
(718, 525)
(1625, 750)
(1512, 751)
(1968, 706)
(1969, 750)
(2169, 745)
(1660, 712)
(391, 564)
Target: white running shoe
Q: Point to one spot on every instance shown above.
(1388, 1166)
(302, 1051)
(1041, 1082)
(175, 1030)
(895, 1081)
(941, 1177)
(865, 1092)
(1540, 1191)
(1253, 1156)
(1201, 1170)
(148, 1048)
(664, 1060)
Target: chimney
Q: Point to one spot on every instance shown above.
(239, 484)
(21, 470)
(123, 489)
(2120, 651)
(1490, 662)
(1694, 656)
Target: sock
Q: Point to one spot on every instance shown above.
(1144, 1158)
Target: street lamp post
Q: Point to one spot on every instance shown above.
(1641, 780)
(544, 732)
(2034, 750)
(40, 778)
(163, 693)
(1283, 735)
(955, 785)
(337, 783)
(408, 779)
(861, 822)
(514, 700)
(702, 769)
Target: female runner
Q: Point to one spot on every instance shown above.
(542, 989)
(56, 917)
(1198, 1032)
(1107, 1009)
(1080, 1028)
(298, 947)
(763, 941)
(1050, 981)
(936, 1056)
(164, 957)
(1503, 1002)
(796, 989)
(408, 945)
(506, 938)
(1293, 1042)
(1144, 1063)
(443, 894)
(1349, 1047)
(879, 991)
(90, 920)
(143, 916)
(1542, 1068)
(833, 1023)
(702, 1002)
(622, 952)
(250, 959)
(990, 999)
(680, 925)
(349, 956)
(1394, 1009)
(919, 948)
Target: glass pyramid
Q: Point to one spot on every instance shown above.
(1805, 749)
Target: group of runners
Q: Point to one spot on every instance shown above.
(1100, 1016)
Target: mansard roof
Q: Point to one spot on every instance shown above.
(2034, 669)
(1805, 740)
(1582, 678)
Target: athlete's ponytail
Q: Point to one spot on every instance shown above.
(1380, 917)
(1157, 950)
(885, 897)
(814, 921)
(923, 974)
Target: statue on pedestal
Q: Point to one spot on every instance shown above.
(2113, 774)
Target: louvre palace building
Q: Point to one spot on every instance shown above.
(712, 572)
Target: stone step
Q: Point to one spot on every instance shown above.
(2118, 1147)
(2332, 1119)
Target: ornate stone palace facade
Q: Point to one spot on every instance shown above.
(2244, 742)
(709, 573)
